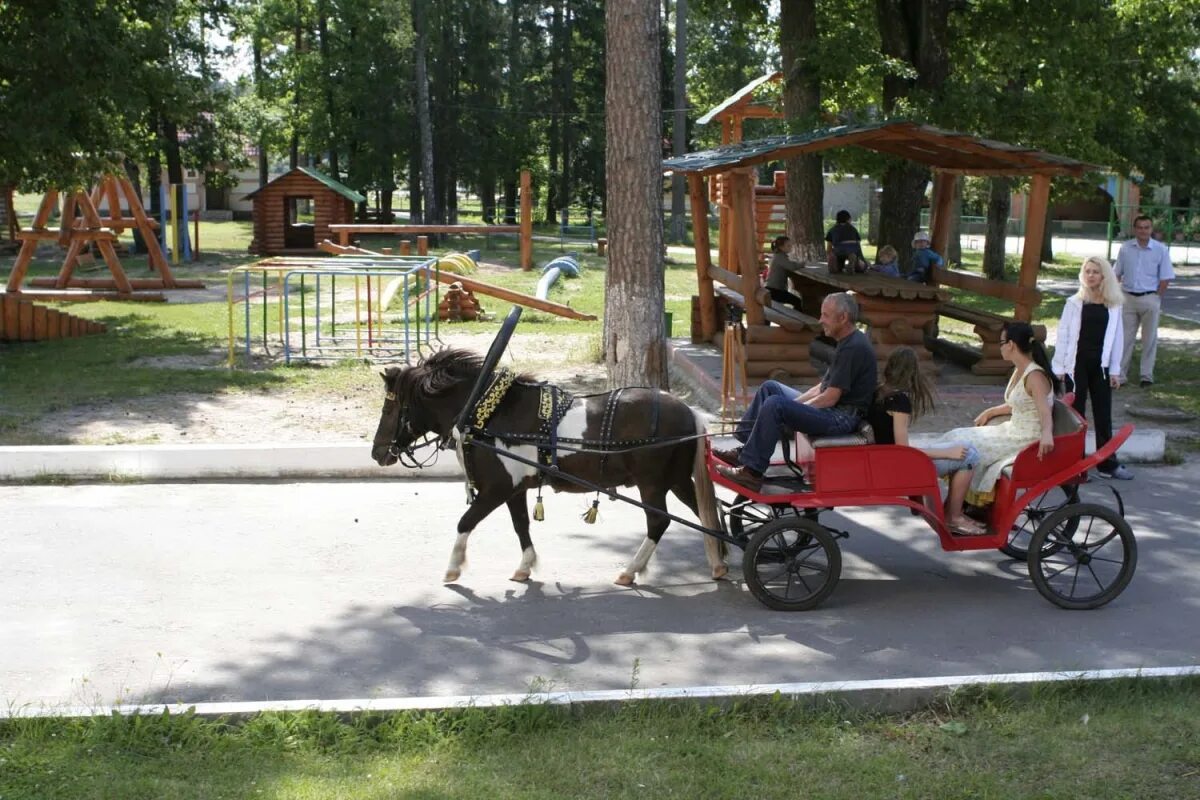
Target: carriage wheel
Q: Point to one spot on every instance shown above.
(1031, 517)
(746, 516)
(792, 564)
(1093, 557)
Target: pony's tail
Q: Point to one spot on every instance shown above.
(706, 498)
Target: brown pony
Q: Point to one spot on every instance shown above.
(628, 437)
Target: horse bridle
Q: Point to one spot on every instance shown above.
(410, 452)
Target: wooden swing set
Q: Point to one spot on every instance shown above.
(80, 228)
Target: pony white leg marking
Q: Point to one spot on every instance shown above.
(458, 559)
(515, 469)
(638, 564)
(528, 559)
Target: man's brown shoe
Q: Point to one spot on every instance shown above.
(731, 456)
(743, 476)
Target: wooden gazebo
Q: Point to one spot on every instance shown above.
(948, 153)
(278, 229)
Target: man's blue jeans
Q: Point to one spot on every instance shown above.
(775, 411)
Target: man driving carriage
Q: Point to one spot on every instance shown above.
(835, 406)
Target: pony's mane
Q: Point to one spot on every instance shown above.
(440, 372)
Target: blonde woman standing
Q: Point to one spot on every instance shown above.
(1088, 349)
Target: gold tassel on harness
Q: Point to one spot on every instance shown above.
(590, 515)
(539, 511)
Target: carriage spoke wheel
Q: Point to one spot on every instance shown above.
(746, 516)
(1082, 556)
(1031, 517)
(792, 564)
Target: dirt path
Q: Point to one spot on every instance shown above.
(301, 414)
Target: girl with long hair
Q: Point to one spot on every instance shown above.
(904, 395)
(1088, 349)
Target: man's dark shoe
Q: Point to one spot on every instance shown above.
(731, 456)
(743, 476)
(1146, 383)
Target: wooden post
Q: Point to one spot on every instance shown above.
(745, 246)
(29, 246)
(157, 260)
(405, 247)
(708, 303)
(526, 220)
(601, 246)
(943, 205)
(1035, 230)
(422, 245)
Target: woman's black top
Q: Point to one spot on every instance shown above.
(1093, 322)
(881, 420)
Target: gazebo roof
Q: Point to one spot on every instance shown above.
(742, 100)
(947, 151)
(319, 177)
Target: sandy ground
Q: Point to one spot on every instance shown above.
(293, 415)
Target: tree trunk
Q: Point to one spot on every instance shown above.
(999, 206)
(564, 192)
(330, 106)
(678, 184)
(259, 80)
(1047, 239)
(913, 32)
(634, 346)
(510, 202)
(487, 198)
(414, 187)
(154, 183)
(900, 204)
(170, 146)
(294, 150)
(953, 253)
(805, 194)
(429, 186)
(557, 48)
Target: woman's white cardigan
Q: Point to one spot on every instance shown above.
(1066, 343)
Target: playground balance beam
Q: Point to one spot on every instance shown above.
(491, 290)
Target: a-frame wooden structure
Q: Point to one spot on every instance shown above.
(81, 225)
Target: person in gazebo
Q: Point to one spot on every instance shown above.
(780, 267)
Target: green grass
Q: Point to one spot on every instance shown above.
(1120, 740)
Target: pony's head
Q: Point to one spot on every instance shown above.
(417, 402)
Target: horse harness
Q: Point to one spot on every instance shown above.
(553, 404)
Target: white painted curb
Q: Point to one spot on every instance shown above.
(890, 694)
(337, 460)
(213, 461)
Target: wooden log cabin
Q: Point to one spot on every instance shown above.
(281, 225)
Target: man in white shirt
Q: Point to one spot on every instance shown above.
(1144, 269)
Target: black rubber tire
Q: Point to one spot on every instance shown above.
(798, 549)
(1031, 517)
(745, 517)
(1098, 552)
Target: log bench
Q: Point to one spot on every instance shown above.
(986, 359)
(786, 345)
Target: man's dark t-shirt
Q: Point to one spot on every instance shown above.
(854, 371)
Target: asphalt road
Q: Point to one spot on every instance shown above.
(261, 591)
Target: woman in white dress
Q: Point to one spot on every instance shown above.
(1028, 402)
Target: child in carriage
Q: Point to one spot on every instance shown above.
(903, 395)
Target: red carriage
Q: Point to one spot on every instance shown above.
(1080, 555)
